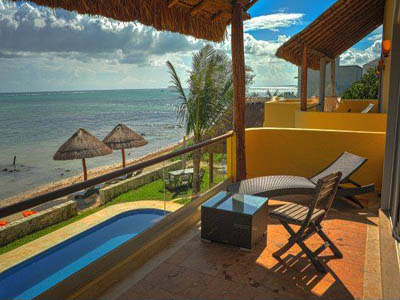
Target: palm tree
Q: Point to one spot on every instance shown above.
(210, 95)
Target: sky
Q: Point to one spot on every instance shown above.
(52, 50)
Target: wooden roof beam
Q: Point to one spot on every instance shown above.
(172, 3)
(224, 15)
(318, 53)
(198, 7)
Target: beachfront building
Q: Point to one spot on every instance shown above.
(345, 77)
(169, 260)
(373, 64)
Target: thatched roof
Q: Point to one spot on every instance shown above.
(205, 19)
(254, 118)
(340, 27)
(82, 144)
(122, 137)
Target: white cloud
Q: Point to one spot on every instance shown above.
(375, 37)
(44, 49)
(273, 21)
(360, 57)
(27, 29)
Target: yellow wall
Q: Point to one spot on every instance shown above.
(356, 105)
(387, 35)
(282, 113)
(341, 121)
(304, 152)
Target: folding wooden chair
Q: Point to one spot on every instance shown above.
(309, 219)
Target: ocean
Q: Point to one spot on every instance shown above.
(34, 125)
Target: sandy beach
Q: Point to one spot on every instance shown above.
(91, 173)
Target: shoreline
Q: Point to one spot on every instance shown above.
(51, 186)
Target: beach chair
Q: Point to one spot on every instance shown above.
(280, 185)
(368, 108)
(309, 218)
(88, 192)
(124, 177)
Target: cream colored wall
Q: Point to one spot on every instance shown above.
(387, 35)
(341, 121)
(304, 152)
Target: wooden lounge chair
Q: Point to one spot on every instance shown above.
(309, 219)
(279, 185)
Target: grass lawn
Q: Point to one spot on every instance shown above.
(155, 191)
(151, 191)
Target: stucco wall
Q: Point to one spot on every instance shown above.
(38, 221)
(282, 114)
(356, 105)
(341, 121)
(305, 152)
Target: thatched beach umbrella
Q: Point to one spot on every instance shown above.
(121, 138)
(82, 145)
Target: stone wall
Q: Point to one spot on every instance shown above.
(110, 192)
(38, 221)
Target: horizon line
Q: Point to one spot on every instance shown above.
(126, 89)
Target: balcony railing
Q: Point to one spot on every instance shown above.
(62, 192)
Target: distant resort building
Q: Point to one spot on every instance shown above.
(345, 76)
(372, 64)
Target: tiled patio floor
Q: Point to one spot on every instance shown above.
(200, 270)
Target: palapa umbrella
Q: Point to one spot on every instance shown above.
(121, 138)
(82, 145)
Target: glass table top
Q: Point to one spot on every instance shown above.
(245, 204)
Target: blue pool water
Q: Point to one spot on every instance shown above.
(39, 273)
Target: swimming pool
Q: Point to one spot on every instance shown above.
(41, 272)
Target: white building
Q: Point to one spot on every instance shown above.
(345, 76)
(372, 64)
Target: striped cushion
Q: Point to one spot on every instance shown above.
(273, 186)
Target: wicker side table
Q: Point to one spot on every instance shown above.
(238, 220)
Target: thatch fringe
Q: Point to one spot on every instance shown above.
(209, 22)
(122, 137)
(254, 118)
(80, 145)
(341, 26)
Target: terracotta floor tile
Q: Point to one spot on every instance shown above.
(200, 270)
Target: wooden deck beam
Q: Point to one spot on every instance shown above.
(239, 90)
(303, 90)
(322, 81)
(333, 78)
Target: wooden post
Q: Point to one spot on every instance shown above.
(84, 169)
(333, 78)
(322, 76)
(210, 169)
(303, 90)
(123, 157)
(239, 89)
